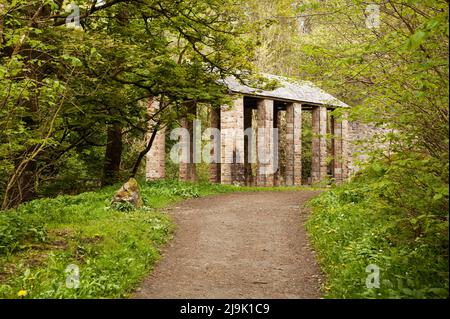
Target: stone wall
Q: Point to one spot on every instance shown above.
(360, 137)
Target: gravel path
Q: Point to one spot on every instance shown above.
(241, 245)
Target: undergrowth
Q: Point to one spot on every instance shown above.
(114, 248)
(380, 219)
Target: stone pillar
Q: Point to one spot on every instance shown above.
(319, 143)
(340, 149)
(232, 142)
(265, 148)
(280, 178)
(276, 143)
(156, 161)
(188, 171)
(294, 144)
(238, 168)
(248, 147)
(215, 168)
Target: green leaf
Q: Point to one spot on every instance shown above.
(417, 39)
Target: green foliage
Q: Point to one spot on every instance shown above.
(391, 218)
(395, 77)
(17, 232)
(123, 206)
(61, 89)
(114, 248)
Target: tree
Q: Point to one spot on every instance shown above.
(65, 91)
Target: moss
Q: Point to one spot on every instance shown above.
(129, 193)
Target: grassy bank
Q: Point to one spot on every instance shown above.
(357, 225)
(114, 250)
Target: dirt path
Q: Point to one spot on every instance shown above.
(247, 245)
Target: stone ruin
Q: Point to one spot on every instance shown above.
(256, 109)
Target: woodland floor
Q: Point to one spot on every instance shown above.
(241, 245)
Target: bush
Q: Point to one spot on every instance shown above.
(173, 188)
(393, 216)
(17, 231)
(123, 206)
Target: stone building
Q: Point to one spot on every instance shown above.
(246, 151)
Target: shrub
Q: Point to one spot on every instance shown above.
(394, 216)
(16, 231)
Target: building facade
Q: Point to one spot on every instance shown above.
(256, 129)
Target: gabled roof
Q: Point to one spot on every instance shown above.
(290, 90)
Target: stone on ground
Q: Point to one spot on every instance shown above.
(129, 193)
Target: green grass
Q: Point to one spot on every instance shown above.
(353, 226)
(350, 228)
(114, 250)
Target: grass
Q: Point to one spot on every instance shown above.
(351, 228)
(113, 250)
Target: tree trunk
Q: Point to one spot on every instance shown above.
(21, 186)
(144, 152)
(113, 155)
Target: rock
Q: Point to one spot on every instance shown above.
(129, 193)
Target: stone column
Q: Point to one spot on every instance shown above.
(215, 168)
(156, 161)
(294, 144)
(276, 148)
(248, 147)
(232, 142)
(188, 171)
(340, 149)
(319, 143)
(265, 148)
(239, 164)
